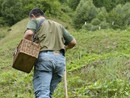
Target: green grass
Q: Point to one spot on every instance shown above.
(3, 32)
(98, 67)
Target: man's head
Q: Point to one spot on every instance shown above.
(36, 12)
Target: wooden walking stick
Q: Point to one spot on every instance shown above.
(65, 83)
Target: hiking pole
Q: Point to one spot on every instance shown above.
(65, 83)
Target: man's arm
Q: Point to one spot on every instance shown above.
(70, 41)
(31, 29)
(29, 35)
(70, 45)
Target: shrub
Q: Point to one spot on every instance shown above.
(12, 13)
(85, 11)
(87, 27)
(126, 14)
(95, 21)
(73, 4)
(91, 27)
(102, 14)
(109, 4)
(2, 21)
(104, 25)
(119, 16)
(21, 8)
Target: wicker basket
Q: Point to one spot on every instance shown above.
(26, 55)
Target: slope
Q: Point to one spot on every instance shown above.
(99, 66)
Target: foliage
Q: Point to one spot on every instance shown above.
(97, 67)
(102, 14)
(95, 21)
(63, 1)
(109, 4)
(119, 16)
(12, 13)
(99, 22)
(111, 13)
(49, 6)
(104, 25)
(87, 27)
(73, 3)
(85, 11)
(1, 1)
(2, 21)
(21, 8)
(96, 18)
(3, 32)
(114, 88)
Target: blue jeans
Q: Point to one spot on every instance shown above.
(48, 72)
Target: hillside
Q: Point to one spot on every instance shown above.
(98, 67)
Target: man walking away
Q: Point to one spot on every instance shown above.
(54, 40)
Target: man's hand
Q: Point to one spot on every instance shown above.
(29, 35)
(70, 45)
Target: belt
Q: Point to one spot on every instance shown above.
(55, 51)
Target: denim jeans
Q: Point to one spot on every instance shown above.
(48, 72)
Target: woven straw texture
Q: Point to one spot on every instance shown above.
(26, 55)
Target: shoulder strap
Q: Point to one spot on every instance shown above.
(39, 24)
(35, 35)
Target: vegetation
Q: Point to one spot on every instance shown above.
(20, 9)
(110, 13)
(120, 16)
(73, 4)
(81, 15)
(109, 4)
(116, 18)
(98, 67)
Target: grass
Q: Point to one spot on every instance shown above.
(98, 67)
(4, 31)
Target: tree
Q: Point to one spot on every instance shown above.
(0, 6)
(15, 10)
(63, 1)
(73, 4)
(12, 13)
(85, 12)
(119, 16)
(109, 4)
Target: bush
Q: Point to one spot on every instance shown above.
(21, 8)
(109, 4)
(102, 14)
(95, 21)
(63, 1)
(96, 24)
(91, 27)
(50, 7)
(2, 21)
(126, 14)
(12, 13)
(104, 25)
(87, 27)
(66, 9)
(85, 11)
(119, 16)
(73, 4)
(114, 17)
